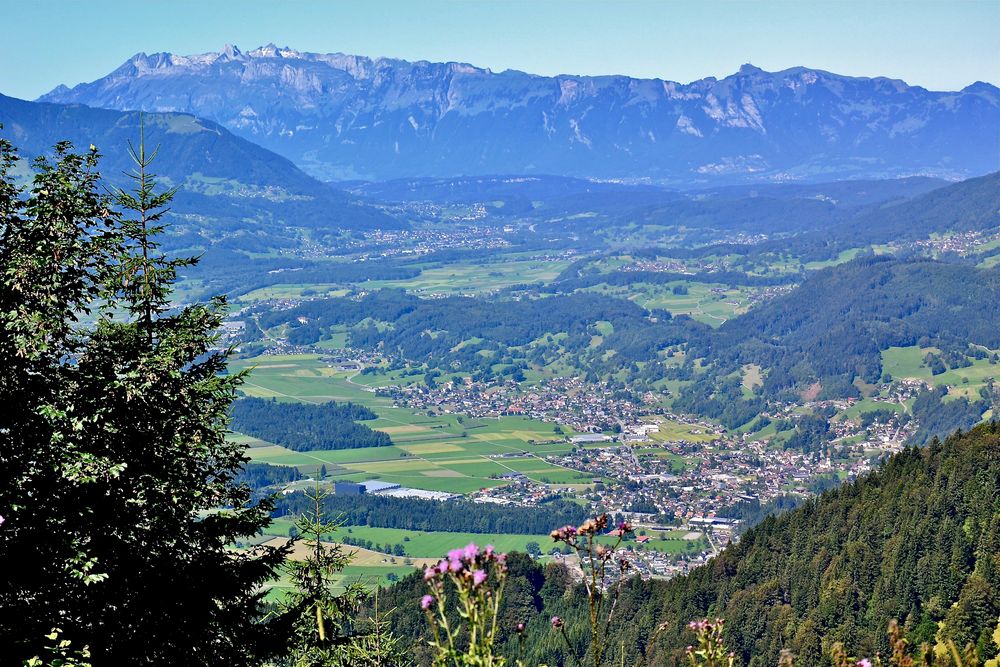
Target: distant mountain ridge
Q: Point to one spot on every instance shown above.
(343, 117)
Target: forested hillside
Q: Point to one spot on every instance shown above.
(473, 334)
(971, 205)
(918, 541)
(249, 193)
(830, 330)
(833, 327)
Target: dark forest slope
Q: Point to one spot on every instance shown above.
(968, 206)
(918, 541)
(834, 326)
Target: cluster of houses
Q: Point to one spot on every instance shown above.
(961, 243)
(382, 243)
(567, 401)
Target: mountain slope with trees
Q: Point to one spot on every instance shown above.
(917, 541)
(833, 327)
(219, 175)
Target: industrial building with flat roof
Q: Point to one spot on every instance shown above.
(420, 494)
(377, 486)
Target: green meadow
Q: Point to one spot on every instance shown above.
(370, 576)
(700, 301)
(908, 362)
(476, 278)
(419, 544)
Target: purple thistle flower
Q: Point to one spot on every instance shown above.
(478, 577)
(864, 662)
(426, 602)
(470, 551)
(557, 622)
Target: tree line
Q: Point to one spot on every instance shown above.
(462, 516)
(304, 427)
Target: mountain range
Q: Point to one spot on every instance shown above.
(342, 116)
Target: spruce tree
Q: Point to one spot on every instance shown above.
(121, 481)
(319, 620)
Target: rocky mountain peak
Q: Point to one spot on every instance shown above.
(231, 52)
(347, 116)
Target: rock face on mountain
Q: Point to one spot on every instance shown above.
(344, 116)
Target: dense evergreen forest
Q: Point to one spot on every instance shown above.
(259, 476)
(304, 427)
(456, 515)
(918, 541)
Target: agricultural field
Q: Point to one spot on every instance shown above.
(871, 405)
(295, 291)
(373, 568)
(673, 431)
(419, 544)
(710, 303)
(476, 278)
(440, 452)
(425, 547)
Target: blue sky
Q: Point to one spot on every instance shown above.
(939, 44)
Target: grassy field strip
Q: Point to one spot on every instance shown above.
(359, 555)
(422, 546)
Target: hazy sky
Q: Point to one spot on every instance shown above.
(939, 44)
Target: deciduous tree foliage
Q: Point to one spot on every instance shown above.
(116, 479)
